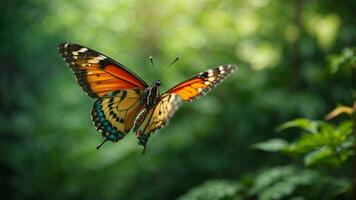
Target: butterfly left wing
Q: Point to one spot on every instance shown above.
(159, 116)
(114, 114)
(202, 83)
(96, 73)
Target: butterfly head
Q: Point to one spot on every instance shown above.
(157, 83)
(151, 94)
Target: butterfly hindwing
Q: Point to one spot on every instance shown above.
(159, 116)
(115, 113)
(202, 83)
(96, 73)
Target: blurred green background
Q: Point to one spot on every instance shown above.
(294, 61)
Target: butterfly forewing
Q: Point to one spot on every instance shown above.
(115, 113)
(202, 83)
(96, 73)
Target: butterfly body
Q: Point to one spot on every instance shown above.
(151, 95)
(124, 101)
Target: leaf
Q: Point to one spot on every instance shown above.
(272, 145)
(280, 182)
(341, 186)
(306, 143)
(288, 185)
(345, 128)
(317, 155)
(344, 155)
(270, 176)
(213, 189)
(346, 58)
(277, 191)
(305, 124)
(338, 111)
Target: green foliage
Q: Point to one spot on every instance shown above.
(305, 124)
(272, 145)
(346, 59)
(319, 142)
(280, 182)
(214, 190)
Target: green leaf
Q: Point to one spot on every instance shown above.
(342, 186)
(345, 128)
(305, 124)
(306, 143)
(213, 189)
(346, 154)
(317, 155)
(270, 176)
(344, 59)
(280, 182)
(272, 145)
(277, 191)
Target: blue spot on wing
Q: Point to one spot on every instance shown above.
(101, 123)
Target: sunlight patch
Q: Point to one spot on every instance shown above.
(324, 28)
(258, 55)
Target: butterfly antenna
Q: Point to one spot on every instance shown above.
(153, 65)
(101, 143)
(174, 61)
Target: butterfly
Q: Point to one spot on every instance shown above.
(124, 101)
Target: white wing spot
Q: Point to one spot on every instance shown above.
(231, 68)
(210, 72)
(82, 50)
(211, 79)
(222, 69)
(66, 45)
(75, 53)
(93, 61)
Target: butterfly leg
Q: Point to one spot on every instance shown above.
(101, 143)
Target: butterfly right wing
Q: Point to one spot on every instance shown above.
(202, 83)
(169, 102)
(96, 73)
(114, 114)
(159, 116)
